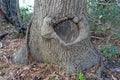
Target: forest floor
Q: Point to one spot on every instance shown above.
(109, 46)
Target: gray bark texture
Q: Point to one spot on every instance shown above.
(59, 34)
(9, 9)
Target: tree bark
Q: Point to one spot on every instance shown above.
(60, 35)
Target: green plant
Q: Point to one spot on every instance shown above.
(81, 76)
(26, 13)
(110, 52)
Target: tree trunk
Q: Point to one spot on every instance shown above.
(59, 34)
(9, 9)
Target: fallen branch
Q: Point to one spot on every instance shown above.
(106, 3)
(3, 35)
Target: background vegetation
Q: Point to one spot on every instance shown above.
(105, 12)
(104, 20)
(26, 13)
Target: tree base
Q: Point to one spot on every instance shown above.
(73, 58)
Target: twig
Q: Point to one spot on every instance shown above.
(97, 37)
(105, 3)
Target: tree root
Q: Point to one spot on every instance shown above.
(21, 56)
